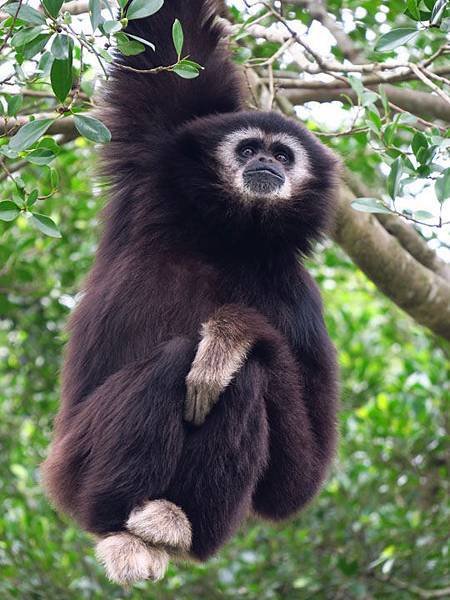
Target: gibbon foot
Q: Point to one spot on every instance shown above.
(127, 559)
(161, 523)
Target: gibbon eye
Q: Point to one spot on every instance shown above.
(282, 157)
(247, 152)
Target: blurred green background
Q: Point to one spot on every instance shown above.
(378, 529)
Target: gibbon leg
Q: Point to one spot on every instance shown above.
(221, 462)
(300, 444)
(121, 445)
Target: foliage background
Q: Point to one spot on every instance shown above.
(380, 527)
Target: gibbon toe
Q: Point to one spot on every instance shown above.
(127, 559)
(161, 522)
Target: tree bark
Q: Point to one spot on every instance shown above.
(419, 291)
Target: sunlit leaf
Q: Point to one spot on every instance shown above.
(177, 36)
(438, 11)
(395, 38)
(370, 205)
(442, 186)
(138, 9)
(128, 47)
(111, 26)
(61, 46)
(28, 14)
(186, 70)
(95, 13)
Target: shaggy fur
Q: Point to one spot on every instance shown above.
(161, 523)
(180, 249)
(128, 559)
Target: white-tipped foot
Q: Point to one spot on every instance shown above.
(161, 522)
(127, 559)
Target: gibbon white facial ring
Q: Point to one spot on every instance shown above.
(265, 177)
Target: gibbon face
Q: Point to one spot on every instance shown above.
(253, 173)
(265, 165)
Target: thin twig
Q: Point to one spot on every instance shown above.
(421, 75)
(10, 30)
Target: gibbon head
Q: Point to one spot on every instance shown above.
(256, 173)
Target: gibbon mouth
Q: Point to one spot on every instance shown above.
(263, 179)
(264, 170)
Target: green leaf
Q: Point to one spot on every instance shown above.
(105, 55)
(370, 205)
(95, 14)
(29, 133)
(61, 76)
(24, 36)
(423, 215)
(111, 27)
(419, 141)
(369, 98)
(26, 13)
(54, 178)
(40, 156)
(92, 129)
(138, 9)
(438, 11)
(384, 98)
(52, 6)
(8, 210)
(45, 63)
(32, 197)
(357, 85)
(442, 186)
(413, 9)
(396, 37)
(193, 64)
(393, 180)
(186, 70)
(14, 105)
(35, 47)
(45, 225)
(128, 47)
(177, 37)
(61, 47)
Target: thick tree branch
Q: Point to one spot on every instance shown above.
(405, 233)
(422, 104)
(420, 292)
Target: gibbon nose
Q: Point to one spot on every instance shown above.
(265, 158)
(264, 164)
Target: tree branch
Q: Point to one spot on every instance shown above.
(63, 126)
(419, 291)
(405, 233)
(422, 104)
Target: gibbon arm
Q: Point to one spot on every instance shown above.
(142, 105)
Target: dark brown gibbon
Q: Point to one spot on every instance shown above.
(199, 382)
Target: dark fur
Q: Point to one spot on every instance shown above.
(178, 246)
